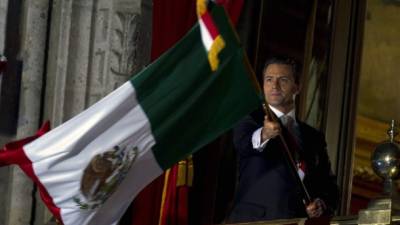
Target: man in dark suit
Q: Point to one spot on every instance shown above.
(267, 188)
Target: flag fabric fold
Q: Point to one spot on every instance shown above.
(12, 152)
(91, 167)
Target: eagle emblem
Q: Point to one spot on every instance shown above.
(103, 175)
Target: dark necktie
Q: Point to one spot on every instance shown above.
(290, 125)
(294, 140)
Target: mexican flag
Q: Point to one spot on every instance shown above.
(90, 168)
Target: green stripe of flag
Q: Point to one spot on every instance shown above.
(188, 106)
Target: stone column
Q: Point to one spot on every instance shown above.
(32, 55)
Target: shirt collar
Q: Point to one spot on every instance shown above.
(291, 113)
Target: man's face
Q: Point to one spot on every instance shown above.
(280, 86)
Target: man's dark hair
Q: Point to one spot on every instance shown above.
(285, 60)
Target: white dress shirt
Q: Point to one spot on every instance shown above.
(256, 137)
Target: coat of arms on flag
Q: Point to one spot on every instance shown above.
(103, 175)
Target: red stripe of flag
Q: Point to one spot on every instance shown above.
(26, 166)
(13, 153)
(209, 23)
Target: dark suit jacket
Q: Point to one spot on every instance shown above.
(266, 188)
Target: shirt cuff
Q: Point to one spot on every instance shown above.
(256, 140)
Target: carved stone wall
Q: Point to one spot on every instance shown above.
(95, 46)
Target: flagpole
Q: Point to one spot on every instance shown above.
(289, 159)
